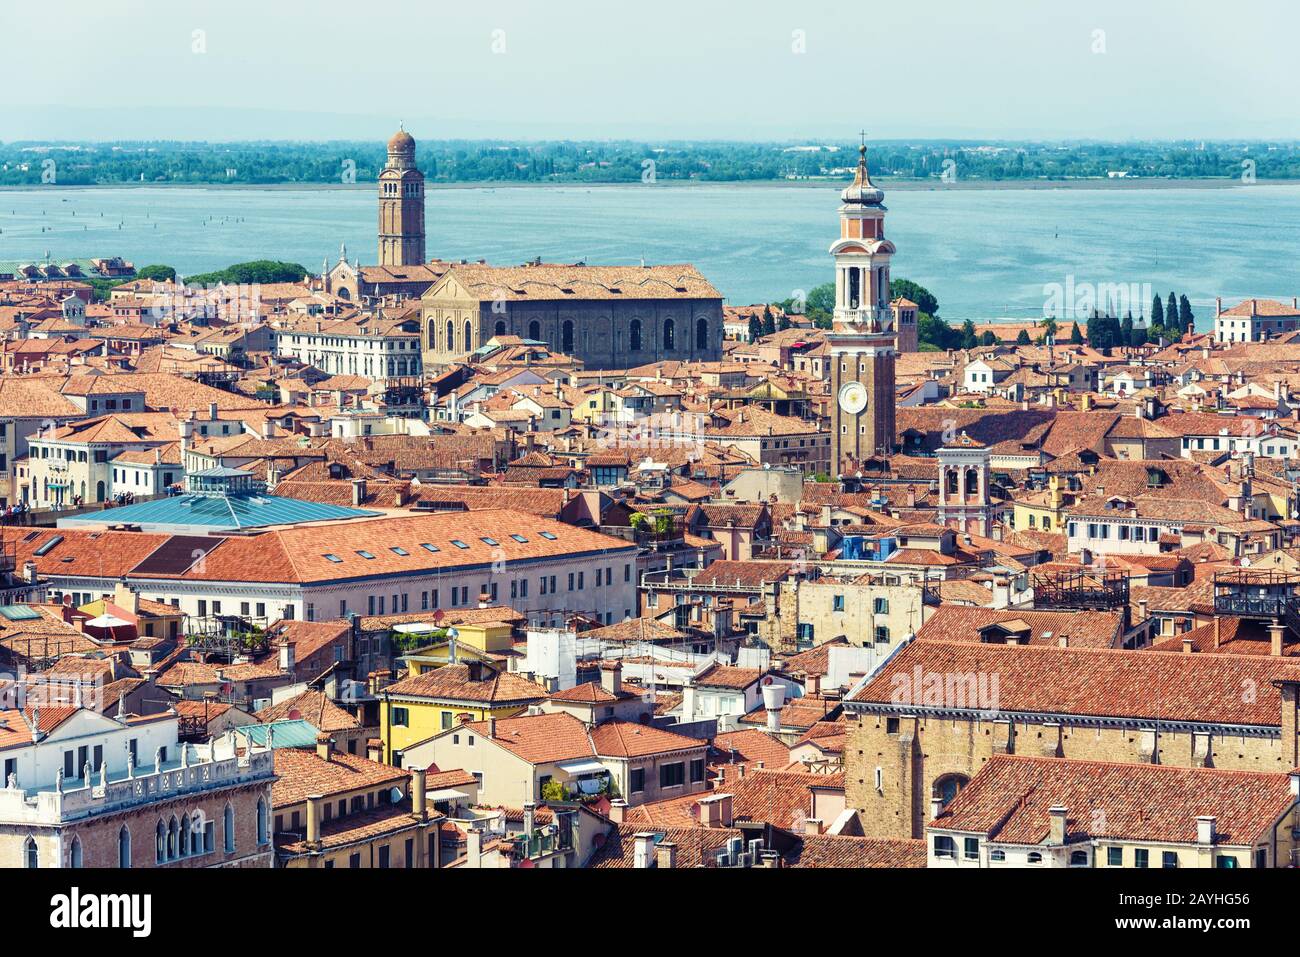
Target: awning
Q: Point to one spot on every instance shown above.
(584, 766)
(445, 794)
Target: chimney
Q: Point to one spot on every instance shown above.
(812, 825)
(611, 676)
(212, 411)
(773, 701)
(643, 850)
(1218, 629)
(286, 656)
(618, 811)
(492, 726)
(1206, 832)
(1058, 815)
(419, 806)
(688, 700)
(324, 746)
(716, 810)
(1275, 633)
(314, 803)
(1142, 609)
(666, 856)
(936, 807)
(1187, 646)
(358, 492)
(29, 572)
(530, 818)
(474, 848)
(1063, 641)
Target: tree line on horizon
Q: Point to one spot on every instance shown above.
(469, 161)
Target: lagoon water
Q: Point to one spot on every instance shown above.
(985, 253)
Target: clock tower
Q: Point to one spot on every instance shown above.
(863, 344)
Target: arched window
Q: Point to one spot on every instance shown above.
(228, 829)
(183, 838)
(450, 342)
(124, 847)
(972, 482)
(31, 857)
(160, 838)
(1034, 858)
(566, 338)
(171, 840)
(634, 336)
(701, 333)
(950, 481)
(1078, 858)
(501, 327)
(535, 330)
(469, 346)
(670, 329)
(74, 852)
(262, 837)
(948, 786)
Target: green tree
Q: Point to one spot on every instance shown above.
(934, 332)
(968, 338)
(755, 328)
(1171, 310)
(157, 273)
(924, 299)
(769, 323)
(1185, 316)
(987, 338)
(554, 792)
(1022, 338)
(1076, 337)
(1157, 312)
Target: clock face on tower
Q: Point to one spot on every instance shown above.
(853, 397)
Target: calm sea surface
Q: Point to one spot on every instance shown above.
(984, 253)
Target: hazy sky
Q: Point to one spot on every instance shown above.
(324, 69)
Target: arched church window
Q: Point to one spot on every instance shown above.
(469, 346)
(634, 335)
(949, 786)
(972, 482)
(450, 343)
(950, 481)
(669, 335)
(701, 333)
(566, 338)
(501, 327)
(535, 331)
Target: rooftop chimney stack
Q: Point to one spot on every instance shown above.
(643, 850)
(314, 803)
(324, 746)
(419, 806)
(611, 676)
(1059, 816)
(773, 701)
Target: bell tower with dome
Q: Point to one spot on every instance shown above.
(401, 205)
(863, 347)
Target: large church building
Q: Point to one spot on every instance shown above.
(609, 317)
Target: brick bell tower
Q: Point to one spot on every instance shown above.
(401, 205)
(863, 347)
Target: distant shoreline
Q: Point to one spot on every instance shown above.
(901, 185)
